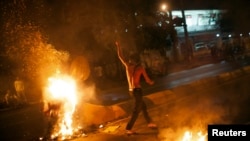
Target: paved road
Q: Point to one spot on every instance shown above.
(22, 124)
(120, 94)
(192, 110)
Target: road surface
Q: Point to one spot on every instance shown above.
(116, 95)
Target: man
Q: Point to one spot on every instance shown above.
(134, 71)
(19, 87)
(10, 98)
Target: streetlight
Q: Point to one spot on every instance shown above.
(164, 8)
(188, 43)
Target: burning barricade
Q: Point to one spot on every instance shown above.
(60, 100)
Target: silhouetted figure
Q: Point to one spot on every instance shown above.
(20, 90)
(134, 71)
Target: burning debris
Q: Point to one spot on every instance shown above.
(194, 136)
(182, 134)
(60, 102)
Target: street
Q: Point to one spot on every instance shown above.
(193, 108)
(172, 80)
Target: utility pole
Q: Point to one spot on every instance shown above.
(187, 41)
(174, 37)
(172, 31)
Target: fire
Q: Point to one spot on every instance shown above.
(62, 92)
(190, 136)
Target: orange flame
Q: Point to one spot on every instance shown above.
(189, 136)
(62, 88)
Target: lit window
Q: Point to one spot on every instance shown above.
(189, 20)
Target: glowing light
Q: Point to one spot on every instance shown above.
(189, 136)
(164, 7)
(62, 88)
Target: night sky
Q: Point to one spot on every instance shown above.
(91, 27)
(87, 25)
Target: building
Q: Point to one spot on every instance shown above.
(202, 25)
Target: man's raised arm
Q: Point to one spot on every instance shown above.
(119, 52)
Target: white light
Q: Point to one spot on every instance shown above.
(163, 7)
(229, 35)
(139, 26)
(62, 88)
(240, 35)
(217, 35)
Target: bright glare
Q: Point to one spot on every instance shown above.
(163, 7)
(189, 136)
(62, 88)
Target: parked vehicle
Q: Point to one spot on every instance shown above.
(200, 45)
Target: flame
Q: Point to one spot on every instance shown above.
(190, 136)
(62, 88)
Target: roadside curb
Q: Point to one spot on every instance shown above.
(98, 114)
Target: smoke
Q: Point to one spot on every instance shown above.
(85, 27)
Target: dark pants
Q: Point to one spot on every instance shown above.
(139, 106)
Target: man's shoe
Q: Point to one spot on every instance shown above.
(152, 125)
(130, 132)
